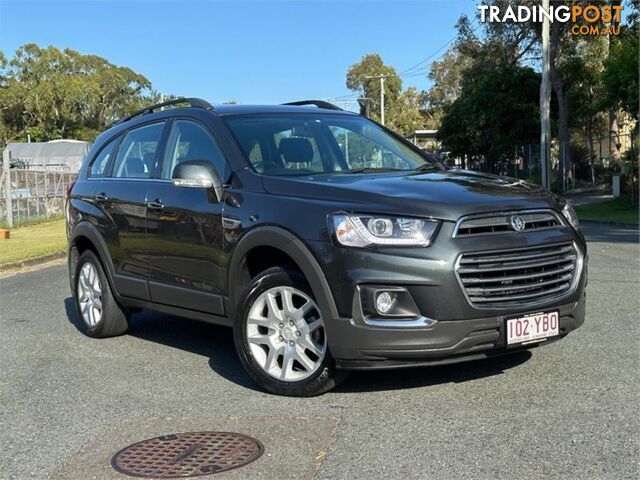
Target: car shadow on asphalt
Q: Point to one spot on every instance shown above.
(216, 343)
(417, 377)
(210, 341)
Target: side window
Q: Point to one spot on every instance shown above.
(137, 152)
(190, 141)
(100, 163)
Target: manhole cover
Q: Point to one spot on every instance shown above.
(187, 455)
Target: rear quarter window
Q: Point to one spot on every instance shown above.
(100, 163)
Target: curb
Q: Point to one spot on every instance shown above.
(580, 191)
(611, 224)
(29, 262)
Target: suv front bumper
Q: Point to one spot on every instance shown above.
(367, 347)
(462, 331)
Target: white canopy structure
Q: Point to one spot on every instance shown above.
(57, 155)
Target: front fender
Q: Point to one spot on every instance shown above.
(275, 237)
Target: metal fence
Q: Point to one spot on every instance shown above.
(32, 194)
(585, 162)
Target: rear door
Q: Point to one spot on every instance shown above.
(120, 200)
(185, 253)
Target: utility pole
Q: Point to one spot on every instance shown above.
(545, 100)
(6, 159)
(382, 78)
(382, 99)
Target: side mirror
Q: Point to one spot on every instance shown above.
(197, 174)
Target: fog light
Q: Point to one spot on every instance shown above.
(385, 301)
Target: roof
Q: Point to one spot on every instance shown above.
(55, 155)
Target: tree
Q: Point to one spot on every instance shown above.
(582, 67)
(54, 93)
(402, 108)
(495, 111)
(621, 72)
(405, 114)
(446, 76)
(363, 76)
(473, 54)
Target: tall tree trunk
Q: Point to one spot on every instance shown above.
(592, 154)
(563, 107)
(614, 128)
(614, 137)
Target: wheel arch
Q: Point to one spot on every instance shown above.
(85, 236)
(292, 247)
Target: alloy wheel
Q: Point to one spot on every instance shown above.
(286, 334)
(90, 295)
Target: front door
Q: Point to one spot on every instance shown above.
(184, 227)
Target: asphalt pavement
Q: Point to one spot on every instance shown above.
(568, 410)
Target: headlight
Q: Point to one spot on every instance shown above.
(570, 214)
(365, 230)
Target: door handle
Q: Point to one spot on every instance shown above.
(156, 204)
(101, 197)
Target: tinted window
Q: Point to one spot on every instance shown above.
(100, 163)
(137, 152)
(305, 143)
(191, 141)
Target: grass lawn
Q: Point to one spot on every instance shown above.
(33, 241)
(614, 210)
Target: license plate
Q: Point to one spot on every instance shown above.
(532, 327)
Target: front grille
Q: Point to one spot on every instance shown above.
(523, 276)
(501, 223)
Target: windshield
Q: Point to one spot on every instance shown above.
(307, 144)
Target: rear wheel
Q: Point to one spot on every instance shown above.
(99, 313)
(280, 336)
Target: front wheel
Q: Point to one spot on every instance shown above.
(280, 336)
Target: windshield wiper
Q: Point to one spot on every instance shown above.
(369, 170)
(426, 167)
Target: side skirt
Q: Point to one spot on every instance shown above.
(177, 311)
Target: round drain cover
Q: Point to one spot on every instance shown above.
(187, 455)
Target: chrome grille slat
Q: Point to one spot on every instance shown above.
(524, 275)
(519, 277)
(533, 264)
(504, 258)
(522, 297)
(497, 223)
(520, 286)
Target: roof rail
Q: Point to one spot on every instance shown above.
(193, 102)
(317, 103)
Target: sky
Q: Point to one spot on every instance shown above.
(244, 51)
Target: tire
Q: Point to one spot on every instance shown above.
(296, 336)
(99, 315)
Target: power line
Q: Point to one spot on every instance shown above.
(415, 71)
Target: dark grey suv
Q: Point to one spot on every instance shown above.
(325, 240)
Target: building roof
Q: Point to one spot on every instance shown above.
(64, 155)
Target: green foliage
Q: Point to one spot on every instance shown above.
(52, 93)
(495, 111)
(621, 72)
(402, 108)
(362, 77)
(447, 76)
